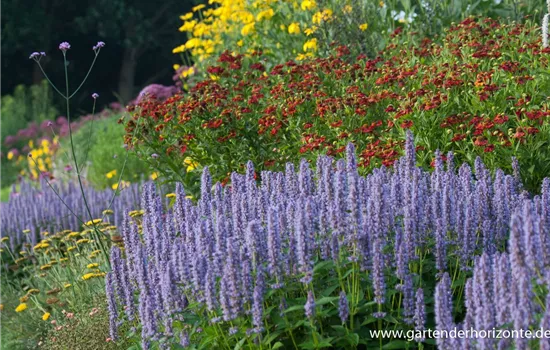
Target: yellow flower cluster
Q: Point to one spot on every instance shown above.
(93, 275)
(39, 159)
(245, 26)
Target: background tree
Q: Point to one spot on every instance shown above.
(141, 29)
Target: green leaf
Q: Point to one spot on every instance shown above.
(397, 344)
(325, 300)
(277, 345)
(239, 345)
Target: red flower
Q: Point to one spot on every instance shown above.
(407, 124)
(458, 137)
(489, 148)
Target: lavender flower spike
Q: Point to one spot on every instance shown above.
(64, 46)
(309, 307)
(343, 308)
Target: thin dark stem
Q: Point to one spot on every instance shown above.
(85, 78)
(57, 193)
(89, 138)
(49, 81)
(97, 237)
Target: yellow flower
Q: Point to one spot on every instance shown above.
(45, 316)
(88, 276)
(189, 197)
(176, 66)
(45, 267)
(71, 248)
(93, 222)
(198, 7)
(309, 31)
(382, 4)
(27, 231)
(154, 176)
(4, 239)
(240, 43)
(21, 307)
(364, 26)
(267, 14)
(1, 307)
(187, 16)
(171, 195)
(308, 4)
(294, 28)
(110, 174)
(10, 155)
(188, 26)
(63, 259)
(92, 266)
(179, 49)
(33, 291)
(319, 17)
(136, 213)
(67, 285)
(347, 9)
(41, 245)
(247, 29)
(107, 212)
(83, 240)
(188, 72)
(191, 165)
(310, 45)
(282, 27)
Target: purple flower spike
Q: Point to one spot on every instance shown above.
(309, 307)
(95, 95)
(64, 46)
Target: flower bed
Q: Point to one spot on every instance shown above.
(319, 259)
(482, 92)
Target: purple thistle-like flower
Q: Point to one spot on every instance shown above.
(64, 46)
(37, 56)
(95, 95)
(343, 307)
(111, 303)
(99, 45)
(420, 312)
(309, 307)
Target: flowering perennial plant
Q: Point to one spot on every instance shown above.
(482, 92)
(315, 259)
(32, 211)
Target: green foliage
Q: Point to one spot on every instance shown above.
(25, 105)
(53, 277)
(99, 147)
(88, 330)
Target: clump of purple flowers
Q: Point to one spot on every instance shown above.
(223, 251)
